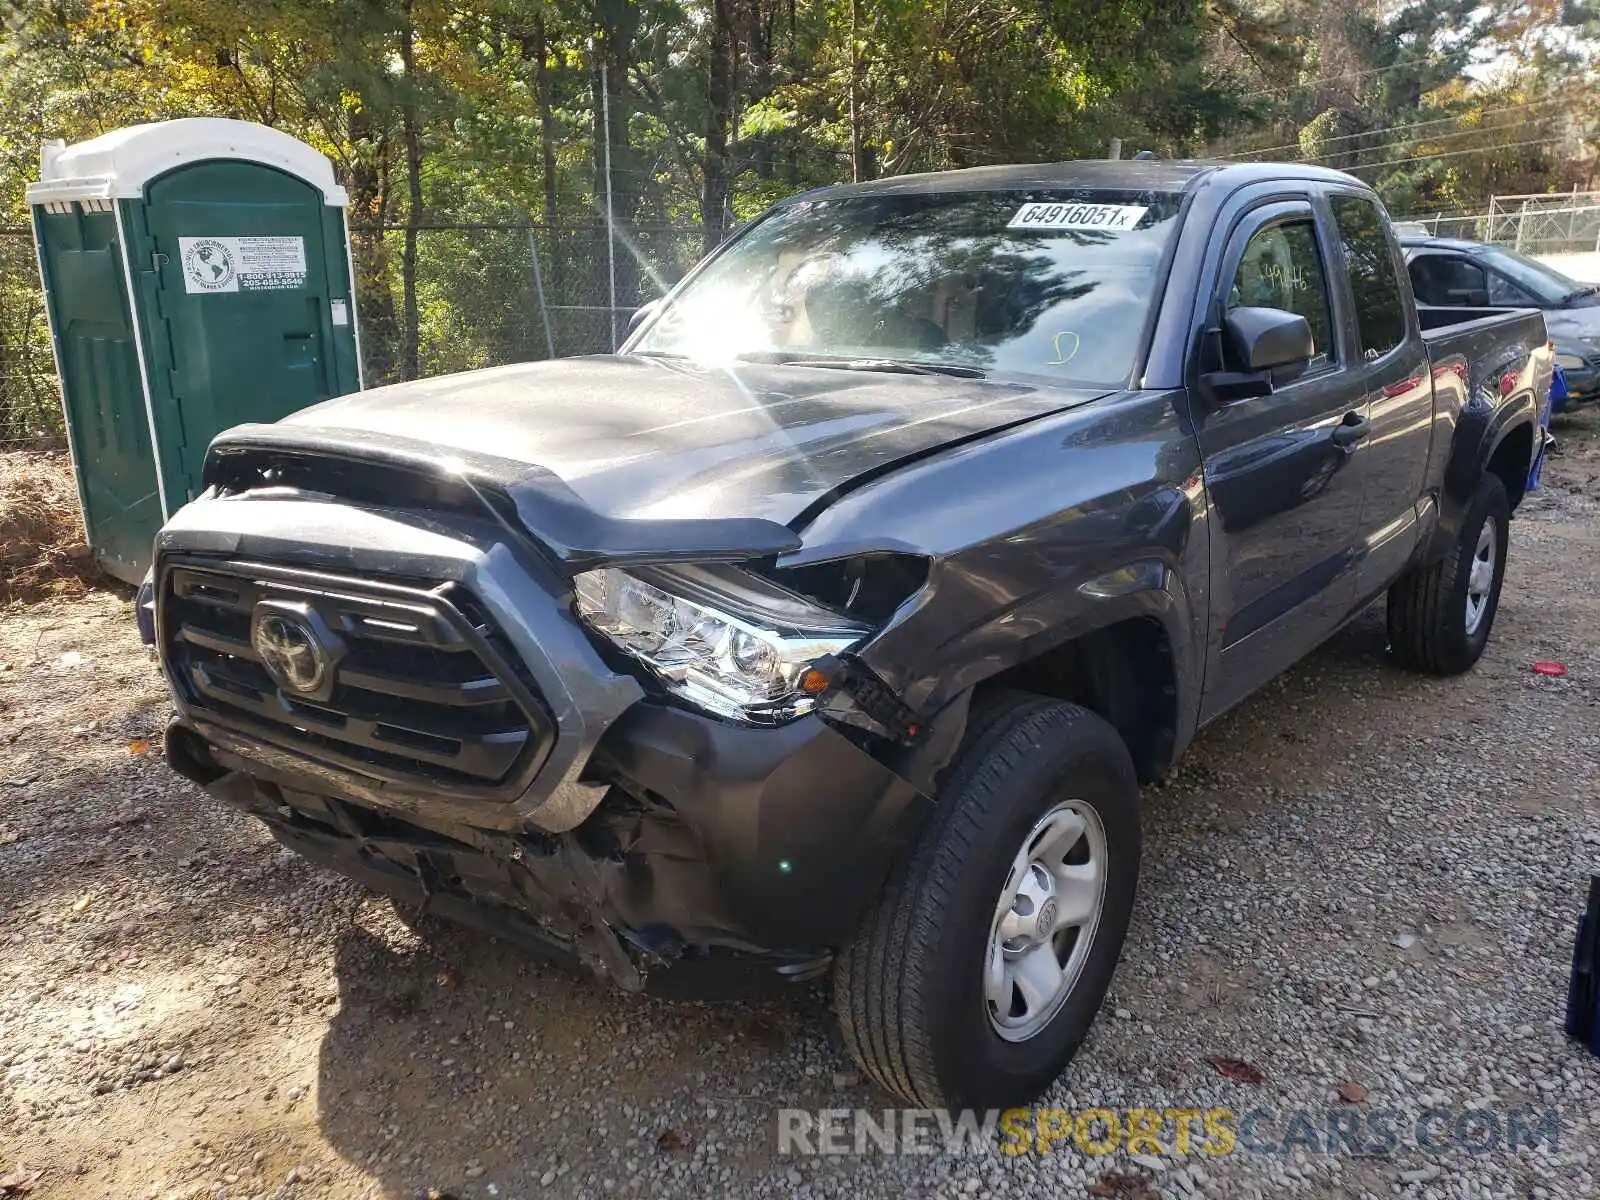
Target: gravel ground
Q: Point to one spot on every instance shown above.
(1360, 880)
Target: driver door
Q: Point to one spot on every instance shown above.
(1284, 471)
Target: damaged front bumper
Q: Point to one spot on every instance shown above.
(711, 838)
(470, 750)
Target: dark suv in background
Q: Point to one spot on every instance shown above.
(1450, 273)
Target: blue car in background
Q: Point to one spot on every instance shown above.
(1557, 397)
(1562, 396)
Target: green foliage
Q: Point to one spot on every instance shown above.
(489, 112)
(1438, 103)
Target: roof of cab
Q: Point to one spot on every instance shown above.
(1135, 175)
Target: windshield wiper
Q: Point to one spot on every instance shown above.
(1587, 289)
(895, 366)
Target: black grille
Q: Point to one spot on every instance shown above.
(425, 690)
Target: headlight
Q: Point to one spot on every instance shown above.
(1570, 362)
(749, 666)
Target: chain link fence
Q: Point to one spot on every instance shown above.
(1562, 223)
(489, 294)
(494, 293)
(1551, 223)
(486, 294)
(30, 405)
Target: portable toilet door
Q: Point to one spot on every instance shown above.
(198, 276)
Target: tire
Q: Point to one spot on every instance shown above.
(912, 991)
(1432, 626)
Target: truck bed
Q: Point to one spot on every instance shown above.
(1487, 341)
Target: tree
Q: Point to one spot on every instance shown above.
(499, 115)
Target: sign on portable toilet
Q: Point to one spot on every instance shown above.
(197, 275)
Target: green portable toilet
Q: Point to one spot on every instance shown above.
(197, 275)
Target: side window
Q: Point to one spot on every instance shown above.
(1505, 294)
(1444, 279)
(1380, 313)
(1281, 268)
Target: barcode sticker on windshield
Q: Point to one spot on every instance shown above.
(1113, 218)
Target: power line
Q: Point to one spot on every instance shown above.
(1284, 87)
(1455, 153)
(1400, 143)
(1442, 154)
(1395, 162)
(1345, 137)
(1435, 137)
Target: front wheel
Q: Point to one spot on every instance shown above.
(980, 971)
(1440, 616)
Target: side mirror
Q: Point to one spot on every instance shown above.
(1267, 339)
(642, 314)
(1263, 348)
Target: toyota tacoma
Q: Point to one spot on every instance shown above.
(833, 624)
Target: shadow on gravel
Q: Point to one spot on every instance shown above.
(1363, 643)
(113, 825)
(456, 1060)
(465, 1059)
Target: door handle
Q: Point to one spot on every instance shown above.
(1351, 430)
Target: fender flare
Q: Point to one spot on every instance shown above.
(1481, 430)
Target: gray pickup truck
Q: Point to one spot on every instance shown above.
(834, 623)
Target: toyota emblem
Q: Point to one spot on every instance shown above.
(1046, 924)
(290, 650)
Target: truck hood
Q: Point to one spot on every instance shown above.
(659, 439)
(1569, 323)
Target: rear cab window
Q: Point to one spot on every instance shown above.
(1374, 284)
(1448, 280)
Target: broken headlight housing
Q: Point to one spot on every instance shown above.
(724, 640)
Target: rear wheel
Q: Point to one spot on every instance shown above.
(976, 978)
(1440, 616)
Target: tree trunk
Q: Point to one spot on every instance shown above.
(857, 159)
(547, 121)
(554, 262)
(380, 324)
(719, 105)
(617, 24)
(410, 364)
(761, 49)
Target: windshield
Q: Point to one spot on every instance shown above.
(1056, 283)
(1546, 283)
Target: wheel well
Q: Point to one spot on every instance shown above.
(1510, 462)
(1125, 673)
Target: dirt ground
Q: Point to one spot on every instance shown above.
(187, 1010)
(42, 551)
